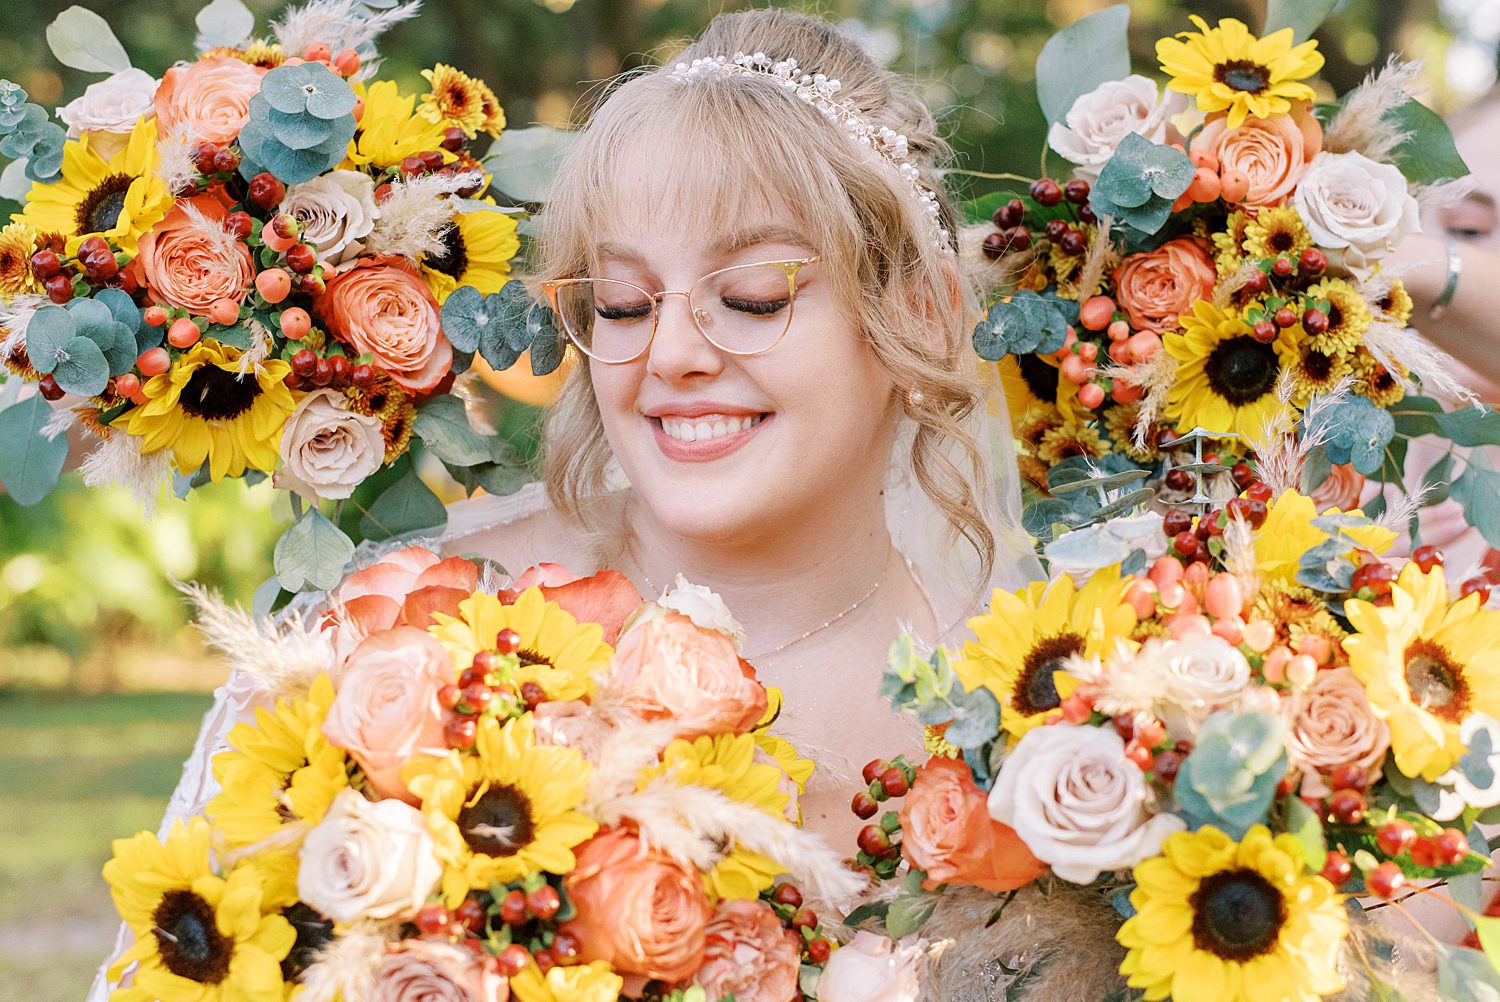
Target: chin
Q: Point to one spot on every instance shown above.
(729, 510)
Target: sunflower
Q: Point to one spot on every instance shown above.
(1076, 436)
(1375, 382)
(594, 982)
(1229, 244)
(1288, 533)
(1228, 69)
(198, 936)
(457, 99)
(557, 651)
(505, 811)
(1295, 611)
(1315, 371)
(1426, 665)
(1396, 303)
(267, 55)
(1029, 383)
(390, 129)
(1348, 315)
(204, 409)
(1277, 232)
(17, 244)
(279, 771)
(1223, 921)
(1021, 646)
(1226, 379)
(477, 250)
(119, 199)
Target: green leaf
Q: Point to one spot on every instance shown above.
(1470, 426)
(443, 426)
(1302, 16)
(1080, 57)
(1437, 482)
(911, 907)
(1428, 155)
(406, 506)
(1417, 416)
(223, 23)
(81, 368)
(465, 318)
(1476, 489)
(1302, 823)
(312, 554)
(83, 40)
(29, 463)
(1465, 975)
(47, 333)
(524, 161)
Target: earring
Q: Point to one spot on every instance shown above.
(915, 399)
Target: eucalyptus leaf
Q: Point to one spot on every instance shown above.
(1476, 490)
(1080, 57)
(1427, 155)
(465, 317)
(14, 184)
(50, 329)
(299, 131)
(1465, 975)
(90, 316)
(30, 463)
(523, 162)
(82, 368)
(1302, 16)
(122, 308)
(1477, 425)
(83, 40)
(312, 554)
(976, 719)
(1417, 416)
(223, 23)
(443, 426)
(407, 506)
(44, 162)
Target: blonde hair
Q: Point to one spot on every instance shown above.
(903, 292)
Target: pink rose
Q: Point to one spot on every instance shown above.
(189, 260)
(871, 968)
(607, 598)
(947, 831)
(1272, 152)
(382, 306)
(1330, 725)
(674, 670)
(748, 955)
(1154, 288)
(386, 710)
(402, 589)
(419, 970)
(209, 100)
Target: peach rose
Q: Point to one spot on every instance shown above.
(639, 910)
(189, 260)
(672, 669)
(402, 589)
(1155, 287)
(1341, 489)
(1329, 725)
(207, 101)
(607, 598)
(386, 710)
(382, 306)
(947, 831)
(419, 970)
(749, 955)
(1272, 152)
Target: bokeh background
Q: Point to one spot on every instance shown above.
(101, 679)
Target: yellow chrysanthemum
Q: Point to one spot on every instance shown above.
(1077, 436)
(1022, 644)
(506, 810)
(119, 199)
(1375, 382)
(1229, 245)
(557, 651)
(386, 401)
(1120, 422)
(17, 244)
(278, 771)
(390, 129)
(198, 936)
(1277, 232)
(477, 250)
(1224, 921)
(205, 410)
(582, 983)
(1426, 665)
(1295, 611)
(1288, 533)
(1226, 380)
(1348, 315)
(1396, 303)
(456, 99)
(1228, 69)
(934, 743)
(1315, 372)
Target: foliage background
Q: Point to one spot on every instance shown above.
(92, 633)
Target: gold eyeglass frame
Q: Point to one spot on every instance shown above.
(551, 286)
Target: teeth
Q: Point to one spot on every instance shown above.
(704, 428)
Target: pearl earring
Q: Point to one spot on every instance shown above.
(915, 399)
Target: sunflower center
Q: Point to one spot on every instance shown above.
(215, 394)
(101, 207)
(1040, 378)
(313, 933)
(1237, 915)
(1035, 691)
(498, 823)
(453, 259)
(1436, 684)
(1242, 370)
(1244, 75)
(189, 942)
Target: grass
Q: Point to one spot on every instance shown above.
(75, 773)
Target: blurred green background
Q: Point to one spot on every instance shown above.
(101, 679)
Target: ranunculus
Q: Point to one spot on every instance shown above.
(607, 598)
(337, 211)
(382, 306)
(1093, 127)
(420, 970)
(1331, 725)
(387, 709)
(704, 607)
(402, 589)
(1341, 489)
(639, 909)
(191, 261)
(673, 669)
(328, 449)
(207, 101)
(1078, 803)
(1196, 676)
(109, 109)
(1156, 287)
(871, 968)
(1272, 152)
(748, 955)
(1351, 203)
(947, 831)
(368, 860)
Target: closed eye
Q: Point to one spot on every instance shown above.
(623, 312)
(756, 307)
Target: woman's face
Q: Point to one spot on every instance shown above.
(1476, 217)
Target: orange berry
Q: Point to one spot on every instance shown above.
(1125, 392)
(295, 323)
(1206, 186)
(183, 333)
(1096, 312)
(318, 52)
(224, 312)
(273, 284)
(1091, 395)
(346, 62)
(359, 109)
(155, 316)
(1234, 185)
(1202, 157)
(154, 362)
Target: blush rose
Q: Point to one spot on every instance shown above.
(381, 306)
(190, 261)
(419, 970)
(1329, 725)
(748, 955)
(207, 101)
(1273, 153)
(368, 860)
(327, 449)
(672, 669)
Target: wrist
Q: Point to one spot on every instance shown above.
(1424, 261)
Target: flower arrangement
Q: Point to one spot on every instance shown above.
(553, 791)
(267, 262)
(1215, 261)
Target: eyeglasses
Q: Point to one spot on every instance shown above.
(743, 310)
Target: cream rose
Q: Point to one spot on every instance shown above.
(382, 306)
(419, 970)
(705, 608)
(207, 101)
(1350, 202)
(337, 211)
(672, 669)
(1273, 153)
(1329, 725)
(1195, 677)
(327, 449)
(872, 968)
(748, 955)
(368, 860)
(1078, 803)
(1093, 127)
(109, 109)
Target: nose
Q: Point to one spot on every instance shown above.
(679, 351)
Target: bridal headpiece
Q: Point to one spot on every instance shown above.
(821, 92)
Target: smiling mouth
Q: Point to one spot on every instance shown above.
(708, 427)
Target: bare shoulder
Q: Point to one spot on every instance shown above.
(517, 537)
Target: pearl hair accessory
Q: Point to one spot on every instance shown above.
(820, 92)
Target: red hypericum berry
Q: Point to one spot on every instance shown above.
(1396, 836)
(226, 160)
(59, 288)
(1124, 725)
(1055, 228)
(48, 388)
(1046, 191)
(285, 225)
(873, 768)
(1076, 191)
(1176, 520)
(507, 641)
(362, 376)
(1378, 577)
(103, 267)
(565, 947)
(239, 223)
(265, 191)
(1166, 766)
(1242, 474)
(1018, 238)
(1257, 283)
(433, 159)
(124, 281)
(1010, 214)
(1256, 512)
(413, 165)
(787, 894)
(1385, 880)
(1315, 322)
(1349, 777)
(1086, 214)
(453, 139)
(533, 695)
(1313, 262)
(1475, 586)
(322, 373)
(513, 960)
(304, 362)
(300, 258)
(995, 245)
(1424, 852)
(819, 950)
(1347, 807)
(311, 285)
(294, 381)
(1452, 846)
(203, 157)
(1336, 868)
(92, 245)
(469, 676)
(478, 697)
(1178, 479)
(1074, 242)
(893, 782)
(1427, 557)
(470, 914)
(806, 918)
(1285, 317)
(432, 920)
(513, 908)
(1282, 268)
(873, 840)
(1263, 331)
(45, 264)
(459, 732)
(1185, 543)
(544, 960)
(1139, 754)
(341, 370)
(484, 662)
(863, 805)
(543, 902)
(447, 695)
(1258, 492)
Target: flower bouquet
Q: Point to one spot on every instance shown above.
(1215, 261)
(269, 261)
(553, 792)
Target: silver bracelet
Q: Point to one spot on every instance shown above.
(1455, 270)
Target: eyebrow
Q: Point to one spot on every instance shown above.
(733, 242)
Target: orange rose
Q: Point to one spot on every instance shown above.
(607, 598)
(1272, 152)
(207, 101)
(383, 307)
(402, 589)
(946, 829)
(1155, 287)
(1341, 489)
(673, 669)
(639, 910)
(190, 261)
(749, 955)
